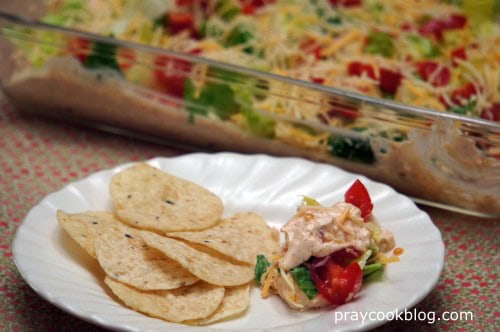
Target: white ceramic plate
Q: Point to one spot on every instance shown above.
(58, 270)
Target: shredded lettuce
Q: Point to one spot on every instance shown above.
(354, 149)
(422, 47)
(380, 43)
(372, 272)
(259, 124)
(304, 281)
(71, 12)
(102, 56)
(261, 267)
(465, 109)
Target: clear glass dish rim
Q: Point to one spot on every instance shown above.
(491, 126)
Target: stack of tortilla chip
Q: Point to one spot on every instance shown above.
(166, 250)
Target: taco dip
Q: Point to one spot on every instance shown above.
(405, 92)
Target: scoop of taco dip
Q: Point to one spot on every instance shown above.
(329, 252)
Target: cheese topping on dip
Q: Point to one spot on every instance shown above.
(319, 231)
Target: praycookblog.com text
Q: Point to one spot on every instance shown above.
(403, 315)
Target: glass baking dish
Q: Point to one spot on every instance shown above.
(440, 159)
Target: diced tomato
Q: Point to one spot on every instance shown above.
(357, 68)
(436, 27)
(311, 46)
(170, 73)
(178, 22)
(125, 58)
(336, 283)
(345, 256)
(390, 80)
(465, 92)
(358, 196)
(317, 80)
(405, 26)
(458, 54)
(184, 2)
(80, 48)
(248, 9)
(455, 21)
(346, 3)
(427, 70)
(342, 110)
(461, 95)
(492, 113)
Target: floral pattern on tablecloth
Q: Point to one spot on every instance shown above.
(39, 156)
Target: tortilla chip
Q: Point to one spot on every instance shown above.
(187, 303)
(84, 227)
(124, 255)
(147, 198)
(235, 302)
(204, 263)
(241, 237)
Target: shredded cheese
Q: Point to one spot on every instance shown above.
(272, 272)
(313, 40)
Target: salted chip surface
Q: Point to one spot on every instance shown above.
(236, 301)
(204, 263)
(84, 227)
(123, 255)
(187, 303)
(147, 198)
(242, 237)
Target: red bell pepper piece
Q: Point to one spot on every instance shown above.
(358, 196)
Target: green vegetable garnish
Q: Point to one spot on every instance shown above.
(70, 11)
(304, 281)
(216, 97)
(226, 10)
(373, 272)
(355, 149)
(466, 109)
(241, 35)
(310, 201)
(160, 21)
(259, 124)
(380, 43)
(103, 55)
(423, 47)
(261, 267)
